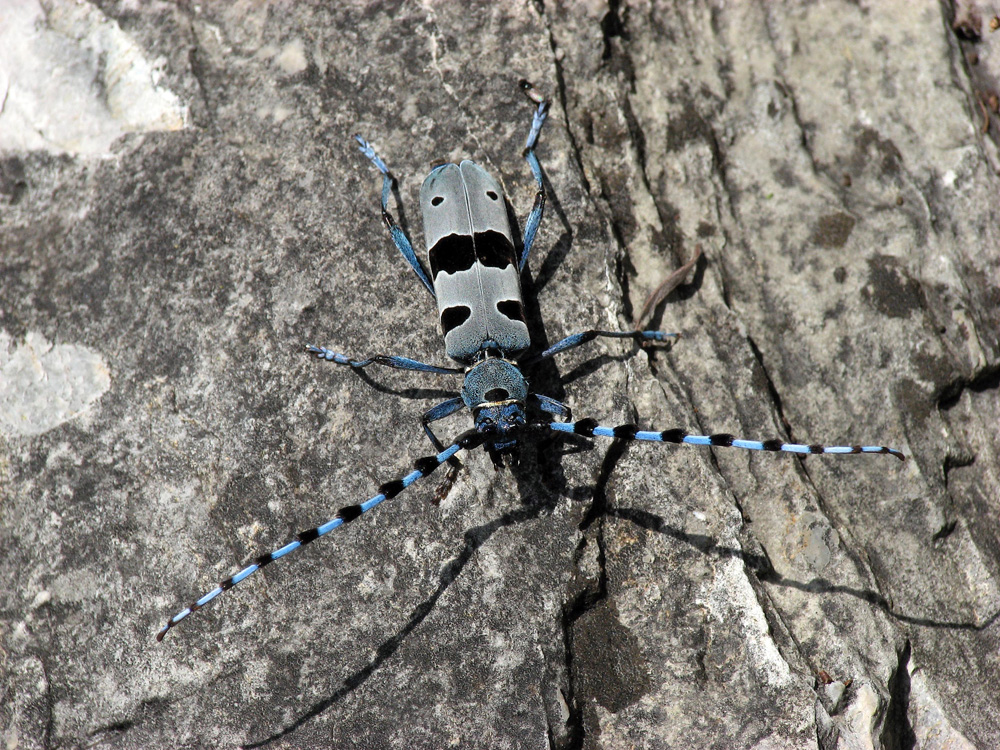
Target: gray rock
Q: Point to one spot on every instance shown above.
(162, 266)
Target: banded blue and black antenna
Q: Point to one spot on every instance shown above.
(399, 237)
(422, 467)
(590, 428)
(535, 217)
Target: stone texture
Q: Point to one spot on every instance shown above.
(833, 162)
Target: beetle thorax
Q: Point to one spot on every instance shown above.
(492, 381)
(495, 392)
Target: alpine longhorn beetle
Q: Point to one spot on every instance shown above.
(476, 279)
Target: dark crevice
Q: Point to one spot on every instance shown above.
(116, 728)
(827, 735)
(590, 593)
(793, 106)
(787, 91)
(50, 706)
(987, 379)
(897, 733)
(624, 269)
(945, 531)
(771, 389)
(198, 63)
(561, 96)
(198, 72)
(13, 182)
(950, 523)
(612, 26)
(572, 611)
(727, 294)
(955, 462)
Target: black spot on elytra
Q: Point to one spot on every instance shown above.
(437, 200)
(511, 308)
(453, 317)
(494, 249)
(451, 254)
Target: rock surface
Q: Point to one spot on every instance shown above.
(160, 423)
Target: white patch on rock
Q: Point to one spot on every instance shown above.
(42, 385)
(858, 721)
(292, 58)
(929, 720)
(732, 600)
(71, 81)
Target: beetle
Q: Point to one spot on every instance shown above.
(474, 277)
